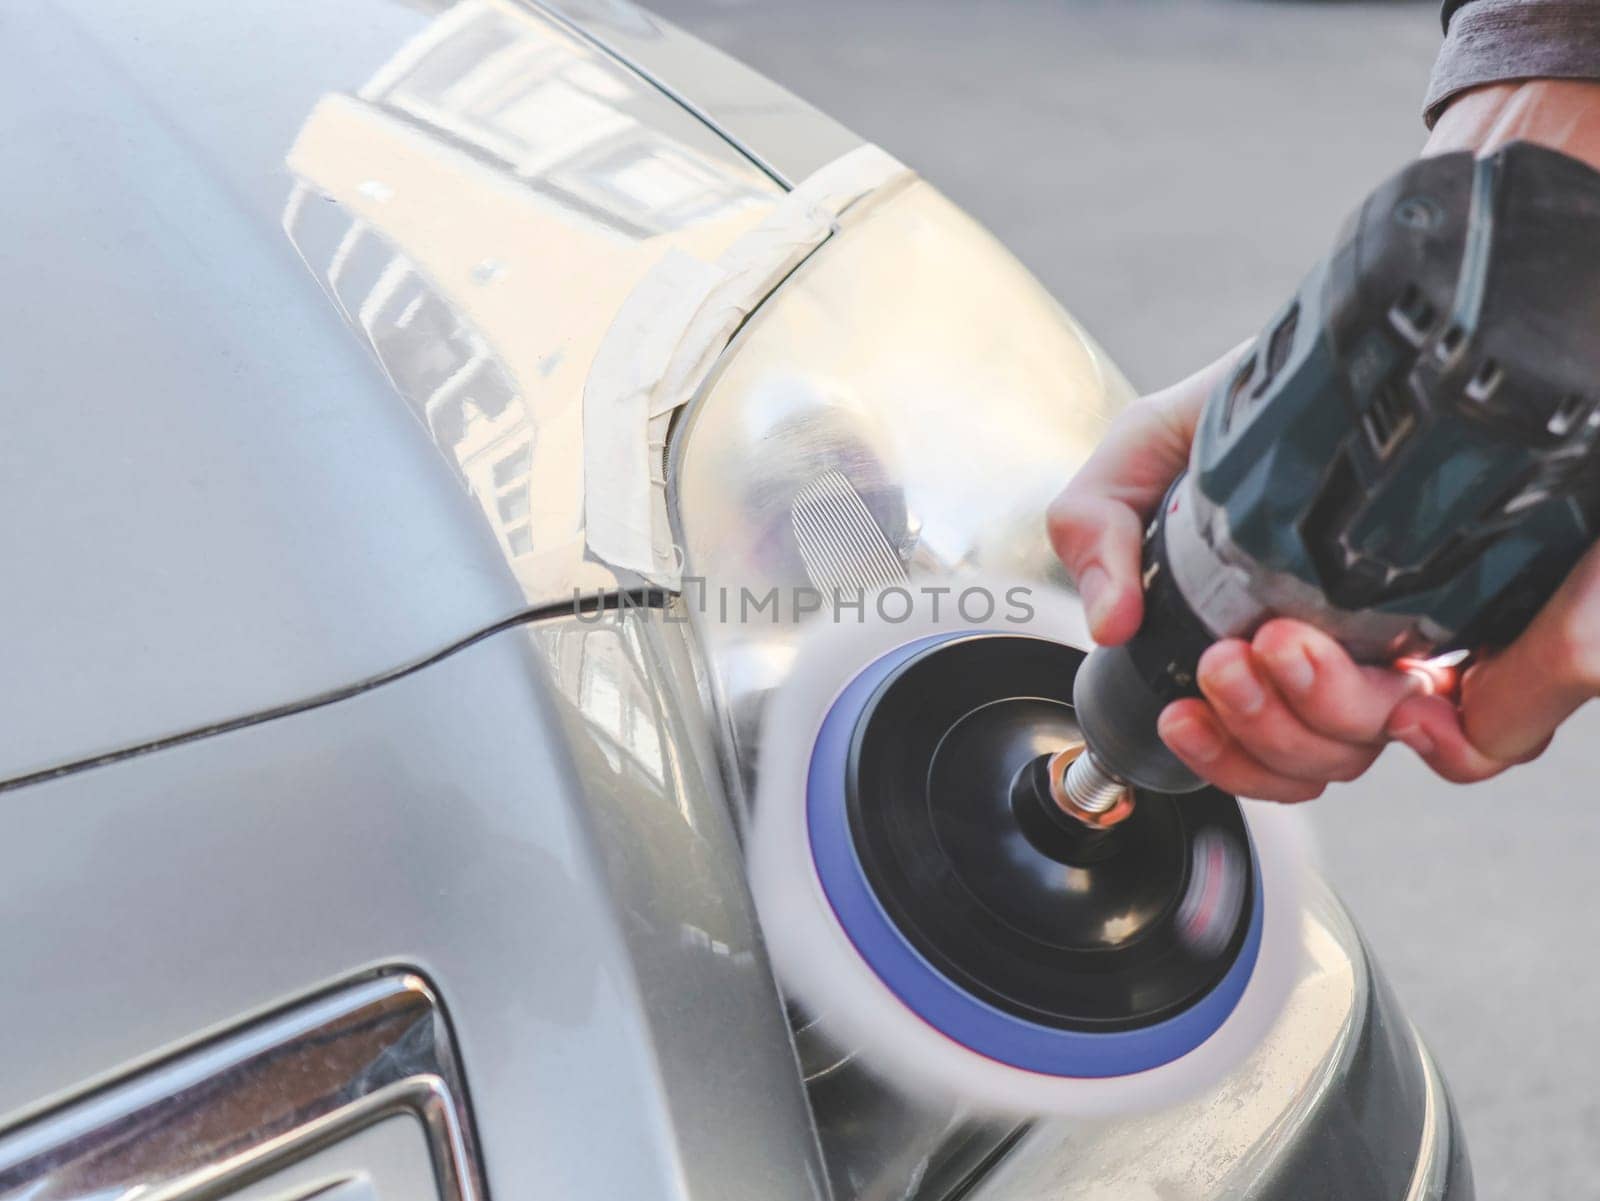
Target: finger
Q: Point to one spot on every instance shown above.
(1253, 713)
(1097, 522)
(1100, 541)
(1148, 444)
(1431, 727)
(1192, 732)
(1513, 701)
(1324, 687)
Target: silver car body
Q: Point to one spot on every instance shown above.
(345, 346)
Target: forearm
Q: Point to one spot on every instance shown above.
(1560, 113)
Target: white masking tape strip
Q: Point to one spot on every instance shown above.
(664, 341)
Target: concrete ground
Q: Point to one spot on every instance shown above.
(1169, 170)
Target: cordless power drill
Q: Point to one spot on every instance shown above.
(1408, 458)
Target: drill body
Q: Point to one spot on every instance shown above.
(1408, 457)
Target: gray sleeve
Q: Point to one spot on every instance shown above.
(1493, 41)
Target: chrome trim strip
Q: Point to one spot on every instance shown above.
(253, 1101)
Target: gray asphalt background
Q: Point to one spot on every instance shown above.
(1169, 170)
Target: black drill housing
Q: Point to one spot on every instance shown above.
(1409, 455)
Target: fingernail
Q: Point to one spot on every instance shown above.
(1236, 687)
(1415, 737)
(1294, 670)
(1418, 682)
(1094, 586)
(1192, 738)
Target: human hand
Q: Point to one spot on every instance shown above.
(1279, 716)
(1282, 715)
(1513, 701)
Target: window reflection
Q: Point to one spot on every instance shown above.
(598, 667)
(576, 125)
(478, 211)
(443, 368)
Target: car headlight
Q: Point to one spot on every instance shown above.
(903, 406)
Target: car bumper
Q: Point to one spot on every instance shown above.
(1341, 1101)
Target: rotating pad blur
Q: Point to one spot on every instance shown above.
(997, 920)
(964, 1033)
(1040, 917)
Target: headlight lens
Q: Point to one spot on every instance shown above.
(904, 406)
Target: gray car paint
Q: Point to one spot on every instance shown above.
(214, 503)
(613, 1047)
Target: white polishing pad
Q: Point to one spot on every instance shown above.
(820, 966)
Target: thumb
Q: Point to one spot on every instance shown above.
(1100, 541)
(1097, 523)
(1512, 702)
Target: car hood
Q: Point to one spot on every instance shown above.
(221, 504)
